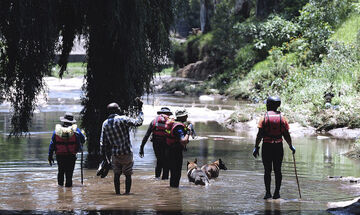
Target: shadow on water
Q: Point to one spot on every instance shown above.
(28, 185)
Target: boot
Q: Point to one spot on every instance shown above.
(127, 184)
(278, 179)
(267, 181)
(276, 194)
(267, 195)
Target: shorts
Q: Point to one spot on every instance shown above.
(123, 164)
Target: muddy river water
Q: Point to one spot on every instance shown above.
(28, 184)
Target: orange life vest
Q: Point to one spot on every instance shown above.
(65, 140)
(272, 125)
(159, 126)
(171, 124)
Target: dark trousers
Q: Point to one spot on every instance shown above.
(66, 164)
(160, 150)
(272, 156)
(175, 158)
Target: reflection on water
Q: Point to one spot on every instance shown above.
(28, 184)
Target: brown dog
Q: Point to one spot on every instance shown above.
(212, 170)
(195, 174)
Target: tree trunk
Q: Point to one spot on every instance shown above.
(205, 7)
(265, 7)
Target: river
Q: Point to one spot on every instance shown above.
(28, 184)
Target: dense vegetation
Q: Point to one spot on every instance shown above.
(126, 42)
(300, 51)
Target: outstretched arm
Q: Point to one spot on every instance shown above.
(135, 122)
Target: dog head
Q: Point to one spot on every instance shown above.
(220, 164)
(192, 165)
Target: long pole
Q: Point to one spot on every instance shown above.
(297, 179)
(81, 166)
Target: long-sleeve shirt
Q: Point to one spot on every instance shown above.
(80, 139)
(115, 133)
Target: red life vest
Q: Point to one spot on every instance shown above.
(159, 126)
(273, 126)
(65, 144)
(171, 124)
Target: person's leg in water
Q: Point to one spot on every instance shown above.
(127, 165)
(61, 170)
(117, 183)
(116, 166)
(176, 164)
(69, 170)
(266, 155)
(278, 158)
(165, 161)
(127, 184)
(157, 152)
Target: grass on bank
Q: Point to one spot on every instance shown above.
(74, 69)
(348, 31)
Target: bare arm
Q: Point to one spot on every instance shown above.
(185, 140)
(287, 138)
(147, 135)
(259, 137)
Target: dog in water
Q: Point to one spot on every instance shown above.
(195, 174)
(212, 170)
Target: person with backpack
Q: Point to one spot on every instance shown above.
(272, 128)
(66, 141)
(115, 138)
(158, 130)
(177, 139)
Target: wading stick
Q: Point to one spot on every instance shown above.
(81, 166)
(297, 180)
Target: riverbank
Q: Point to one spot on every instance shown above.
(246, 119)
(238, 186)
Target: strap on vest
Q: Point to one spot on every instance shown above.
(275, 139)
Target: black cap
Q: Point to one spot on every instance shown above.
(164, 110)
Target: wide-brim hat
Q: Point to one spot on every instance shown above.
(181, 113)
(68, 117)
(164, 110)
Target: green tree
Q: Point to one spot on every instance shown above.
(126, 41)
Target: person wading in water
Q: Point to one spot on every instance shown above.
(66, 141)
(157, 128)
(115, 138)
(272, 127)
(178, 138)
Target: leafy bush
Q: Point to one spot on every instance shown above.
(318, 19)
(274, 32)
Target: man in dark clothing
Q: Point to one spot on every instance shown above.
(157, 128)
(272, 127)
(66, 141)
(115, 138)
(177, 140)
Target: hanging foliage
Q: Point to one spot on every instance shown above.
(28, 39)
(127, 41)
